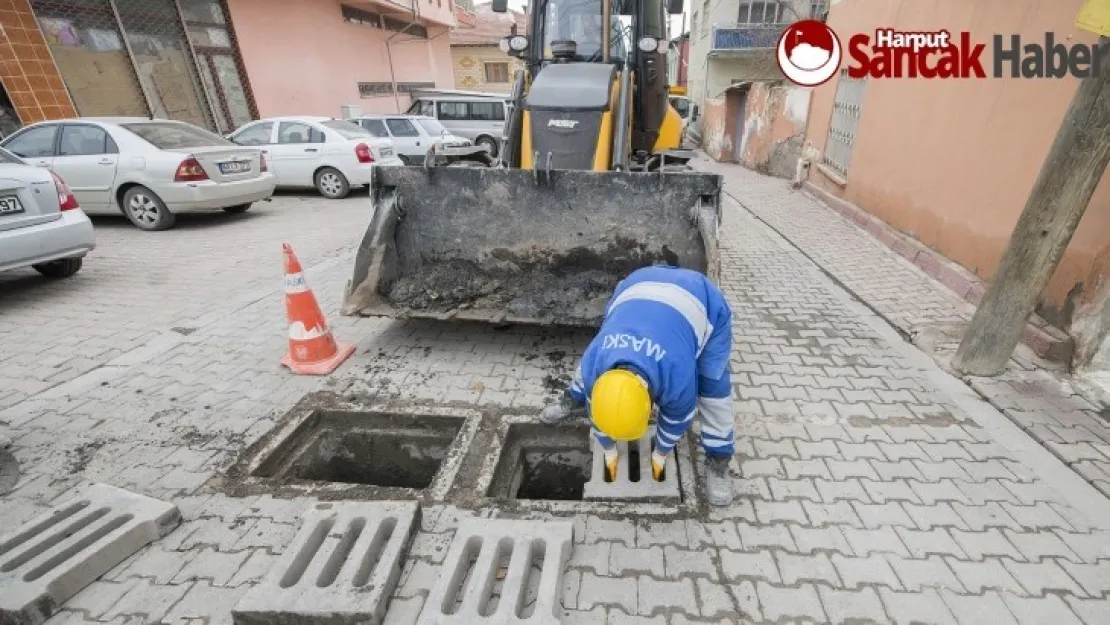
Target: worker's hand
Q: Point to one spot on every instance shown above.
(658, 463)
(612, 459)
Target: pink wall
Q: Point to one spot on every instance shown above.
(303, 59)
(951, 162)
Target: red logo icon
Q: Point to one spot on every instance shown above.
(808, 53)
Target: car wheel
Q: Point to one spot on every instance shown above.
(489, 144)
(235, 210)
(62, 268)
(332, 184)
(146, 210)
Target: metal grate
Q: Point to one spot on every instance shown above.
(223, 74)
(92, 56)
(176, 59)
(844, 123)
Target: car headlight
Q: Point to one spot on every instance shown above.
(648, 44)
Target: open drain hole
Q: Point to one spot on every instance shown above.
(375, 459)
(541, 462)
(370, 449)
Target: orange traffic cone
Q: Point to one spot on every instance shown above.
(312, 348)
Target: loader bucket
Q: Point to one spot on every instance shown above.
(524, 246)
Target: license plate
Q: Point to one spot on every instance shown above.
(387, 151)
(236, 167)
(10, 204)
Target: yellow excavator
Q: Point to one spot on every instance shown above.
(591, 184)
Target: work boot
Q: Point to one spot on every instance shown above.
(561, 410)
(718, 483)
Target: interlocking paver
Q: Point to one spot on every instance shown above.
(833, 421)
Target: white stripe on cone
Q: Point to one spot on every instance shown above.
(298, 332)
(295, 283)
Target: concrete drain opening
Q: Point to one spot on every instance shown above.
(545, 463)
(389, 451)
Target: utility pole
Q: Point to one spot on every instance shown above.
(1068, 177)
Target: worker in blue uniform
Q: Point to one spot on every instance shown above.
(665, 342)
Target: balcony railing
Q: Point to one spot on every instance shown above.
(747, 36)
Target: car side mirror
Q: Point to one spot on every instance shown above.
(674, 7)
(499, 6)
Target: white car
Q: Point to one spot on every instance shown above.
(412, 135)
(150, 169)
(329, 154)
(41, 222)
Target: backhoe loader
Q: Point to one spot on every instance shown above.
(591, 184)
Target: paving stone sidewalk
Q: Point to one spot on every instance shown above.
(871, 490)
(1031, 392)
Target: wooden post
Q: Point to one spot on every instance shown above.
(1068, 177)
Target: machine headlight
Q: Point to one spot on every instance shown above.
(518, 43)
(648, 44)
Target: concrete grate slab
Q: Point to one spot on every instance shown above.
(502, 572)
(341, 567)
(50, 558)
(623, 487)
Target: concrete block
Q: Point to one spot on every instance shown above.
(341, 567)
(623, 487)
(502, 572)
(50, 558)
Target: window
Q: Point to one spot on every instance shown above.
(346, 129)
(433, 127)
(453, 110)
(426, 108)
(34, 143)
(818, 8)
(375, 127)
(769, 12)
(487, 111)
(359, 16)
(416, 30)
(681, 106)
(402, 128)
(82, 140)
(497, 72)
(258, 134)
(844, 123)
(8, 157)
(298, 132)
(168, 135)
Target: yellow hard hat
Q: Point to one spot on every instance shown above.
(620, 405)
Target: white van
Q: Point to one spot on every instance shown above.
(480, 119)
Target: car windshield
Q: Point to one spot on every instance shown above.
(346, 129)
(8, 157)
(433, 127)
(580, 21)
(175, 135)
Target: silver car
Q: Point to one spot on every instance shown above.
(148, 169)
(413, 135)
(41, 223)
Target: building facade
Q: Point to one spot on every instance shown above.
(678, 58)
(478, 61)
(216, 63)
(750, 114)
(952, 162)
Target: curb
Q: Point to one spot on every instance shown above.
(1048, 342)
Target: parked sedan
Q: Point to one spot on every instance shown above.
(41, 223)
(329, 154)
(413, 135)
(150, 169)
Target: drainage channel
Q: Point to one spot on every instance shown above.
(332, 448)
